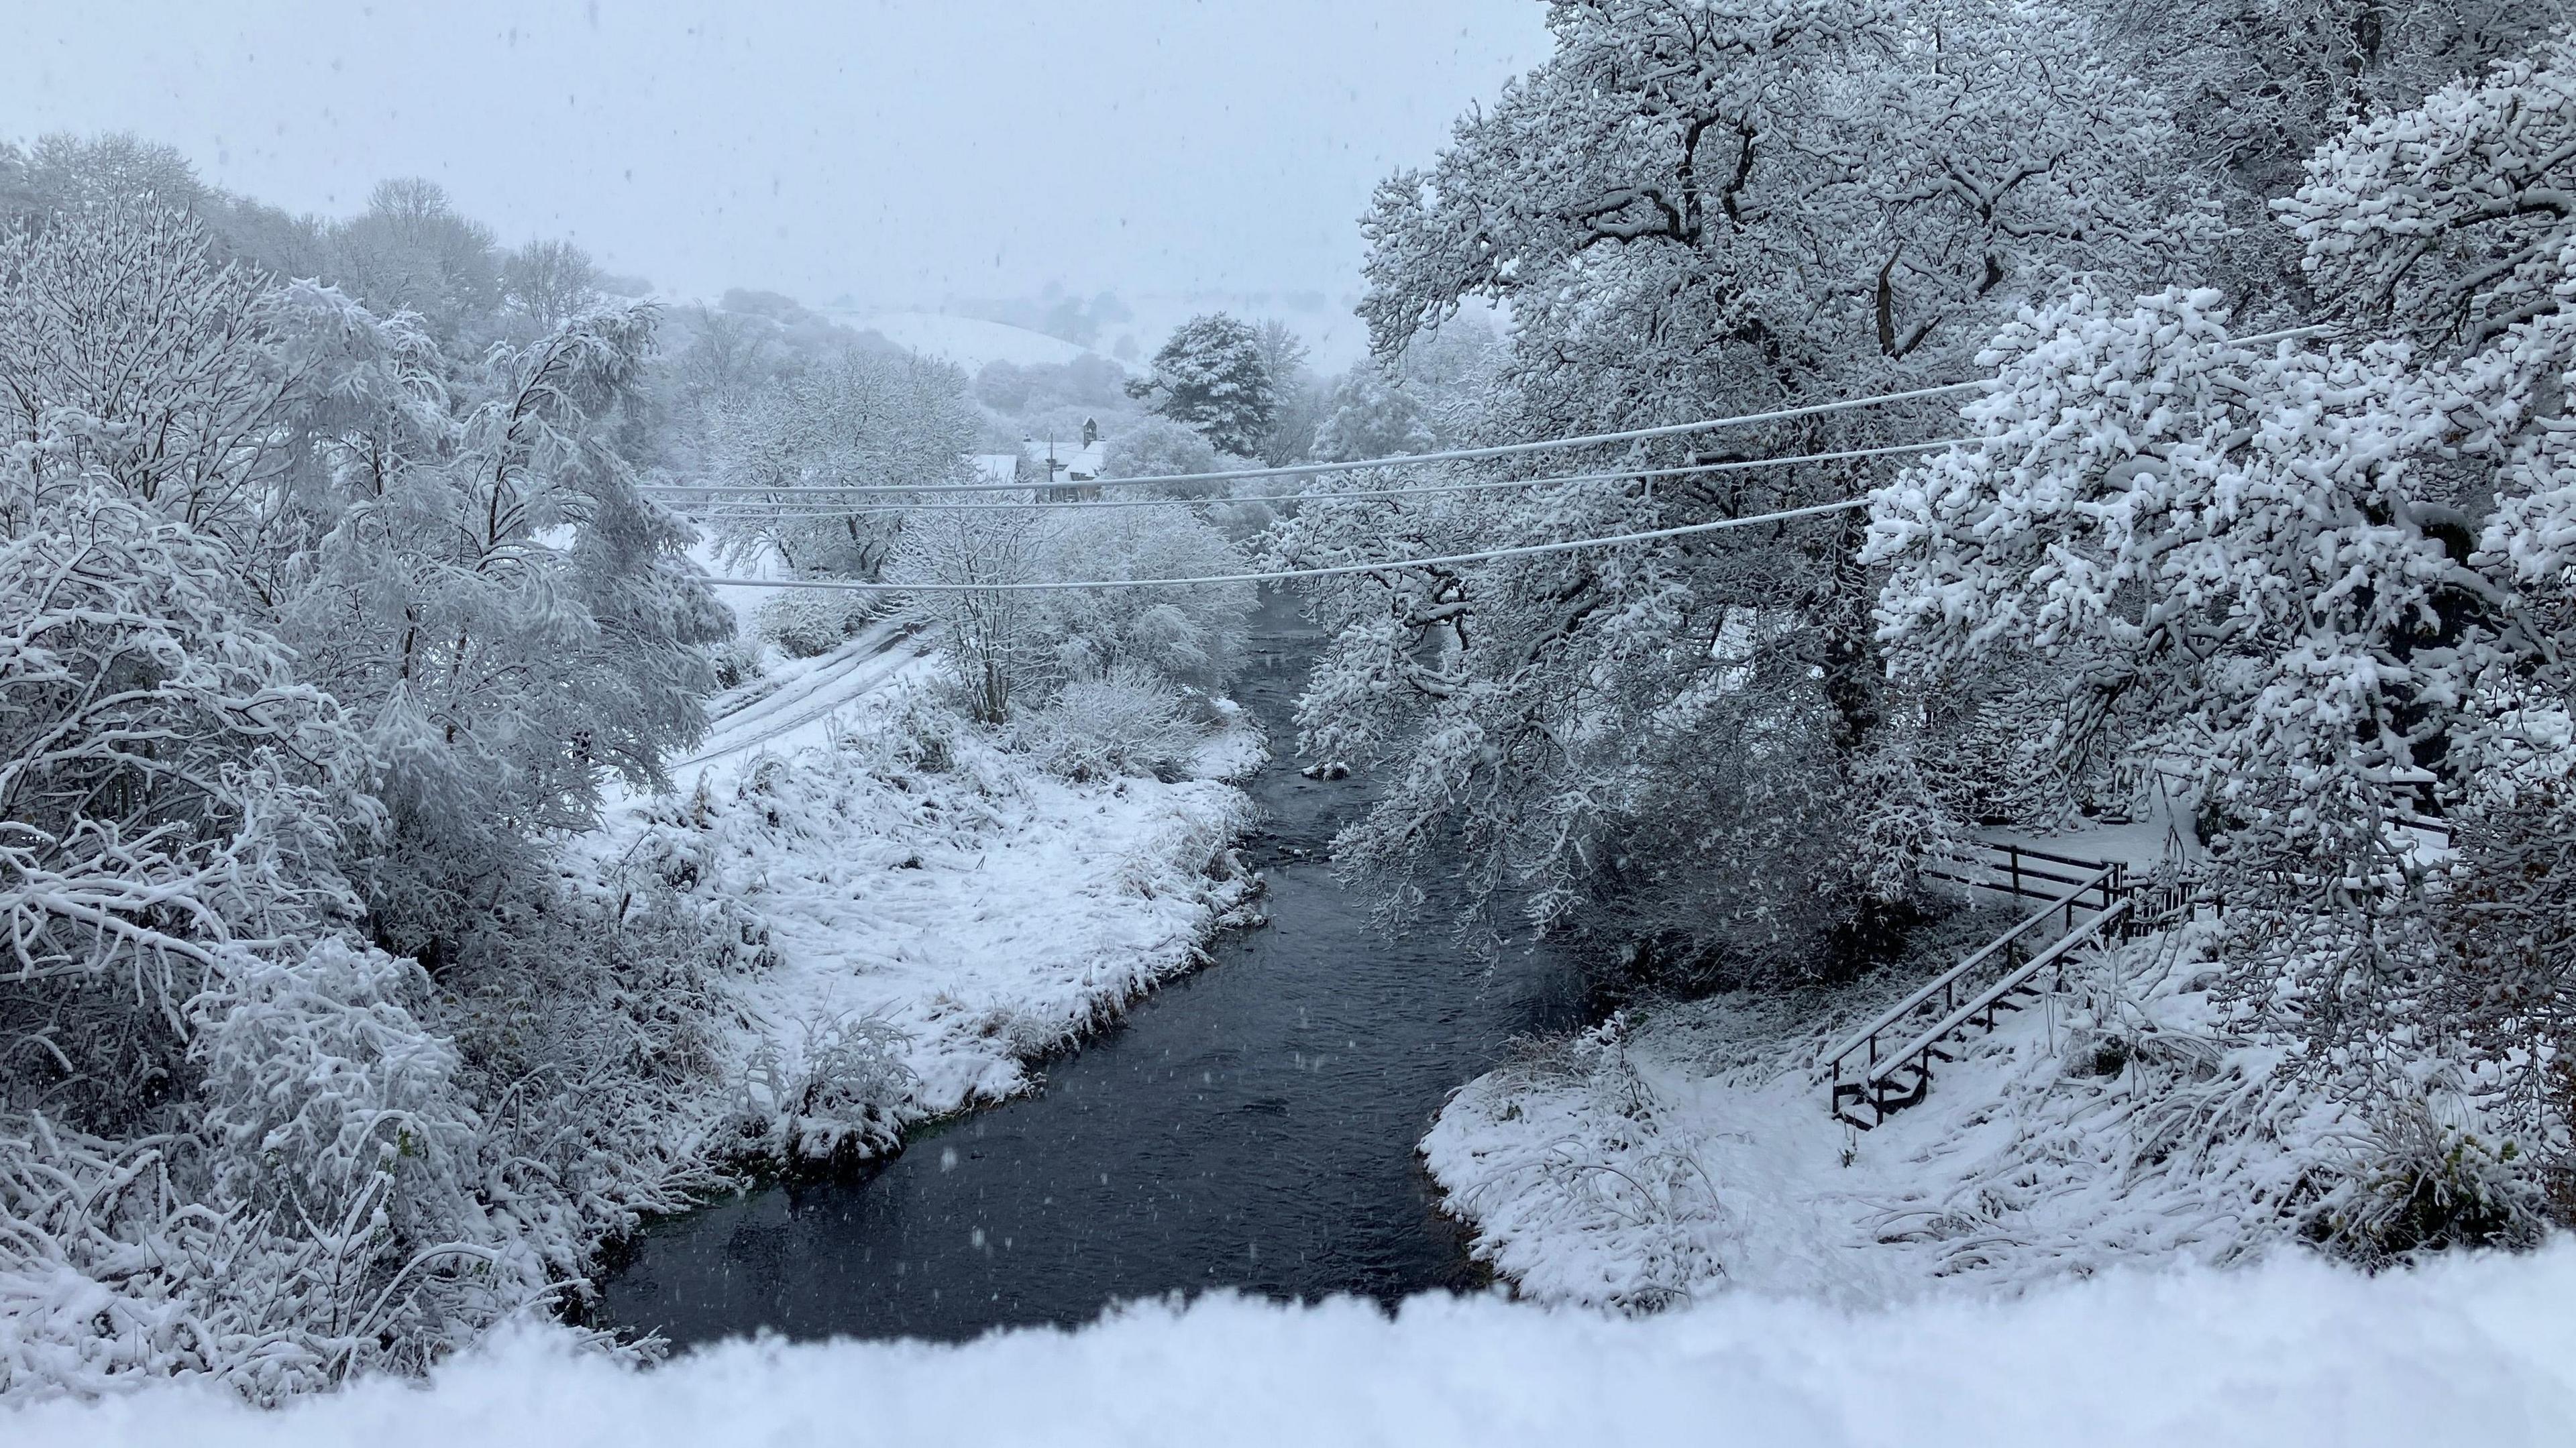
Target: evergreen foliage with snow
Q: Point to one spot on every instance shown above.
(1215, 375)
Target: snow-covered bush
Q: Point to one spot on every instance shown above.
(1188, 637)
(1125, 721)
(836, 1096)
(1155, 447)
(169, 790)
(806, 622)
(738, 661)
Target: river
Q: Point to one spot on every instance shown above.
(1250, 1126)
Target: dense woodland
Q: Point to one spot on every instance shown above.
(341, 583)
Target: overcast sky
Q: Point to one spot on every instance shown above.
(900, 151)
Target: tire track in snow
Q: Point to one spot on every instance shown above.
(767, 696)
(868, 667)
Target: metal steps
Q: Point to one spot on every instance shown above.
(1887, 1065)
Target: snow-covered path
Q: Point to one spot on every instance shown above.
(804, 695)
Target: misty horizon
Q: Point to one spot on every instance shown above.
(893, 159)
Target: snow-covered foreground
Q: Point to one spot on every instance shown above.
(2465, 1351)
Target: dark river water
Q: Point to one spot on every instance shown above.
(1250, 1126)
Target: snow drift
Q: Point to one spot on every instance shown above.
(2470, 1350)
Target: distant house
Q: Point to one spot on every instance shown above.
(1068, 473)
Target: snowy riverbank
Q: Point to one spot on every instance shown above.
(1685, 1149)
(2464, 1351)
(921, 913)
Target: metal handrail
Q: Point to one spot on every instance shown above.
(1987, 998)
(2042, 855)
(1868, 1035)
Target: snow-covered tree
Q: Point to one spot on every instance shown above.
(1214, 375)
(511, 620)
(1369, 417)
(128, 351)
(2327, 579)
(991, 636)
(1297, 396)
(2232, 558)
(549, 282)
(859, 420)
(410, 250)
(1697, 208)
(314, 629)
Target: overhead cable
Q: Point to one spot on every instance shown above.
(747, 509)
(1472, 454)
(1283, 575)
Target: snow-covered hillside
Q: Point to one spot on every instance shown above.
(970, 342)
(2295, 1353)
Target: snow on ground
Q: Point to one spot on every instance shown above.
(933, 911)
(803, 703)
(1688, 1148)
(2292, 1353)
(970, 342)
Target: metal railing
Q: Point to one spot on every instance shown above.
(1917, 1054)
(1946, 986)
(2021, 870)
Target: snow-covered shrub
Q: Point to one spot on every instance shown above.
(1157, 447)
(738, 661)
(333, 1117)
(169, 790)
(1580, 1180)
(806, 622)
(2420, 1185)
(1125, 721)
(837, 1095)
(1189, 637)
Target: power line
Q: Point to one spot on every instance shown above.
(1473, 454)
(819, 508)
(1283, 575)
(1457, 455)
(1453, 455)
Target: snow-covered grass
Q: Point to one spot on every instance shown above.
(1688, 1148)
(930, 912)
(2291, 1353)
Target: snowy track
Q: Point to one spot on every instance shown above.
(770, 708)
